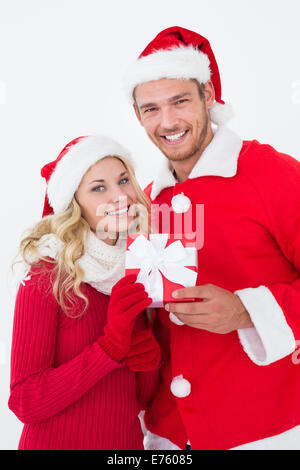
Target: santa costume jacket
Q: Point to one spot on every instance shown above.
(219, 391)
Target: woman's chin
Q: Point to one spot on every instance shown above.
(120, 227)
(113, 233)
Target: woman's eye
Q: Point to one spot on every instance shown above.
(124, 181)
(97, 189)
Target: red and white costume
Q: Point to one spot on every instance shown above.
(243, 386)
(222, 391)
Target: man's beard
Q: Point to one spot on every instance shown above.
(198, 146)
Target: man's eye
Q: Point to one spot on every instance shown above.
(150, 110)
(181, 101)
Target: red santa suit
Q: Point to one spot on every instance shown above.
(222, 391)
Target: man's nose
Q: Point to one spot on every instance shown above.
(169, 119)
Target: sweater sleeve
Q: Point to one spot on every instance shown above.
(275, 309)
(40, 390)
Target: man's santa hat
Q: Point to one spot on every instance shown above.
(63, 175)
(180, 54)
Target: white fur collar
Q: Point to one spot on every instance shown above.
(218, 159)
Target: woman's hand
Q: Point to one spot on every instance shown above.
(128, 299)
(144, 354)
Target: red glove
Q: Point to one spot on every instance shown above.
(127, 300)
(144, 354)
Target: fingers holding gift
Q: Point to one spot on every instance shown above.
(217, 316)
(209, 322)
(121, 315)
(140, 306)
(203, 315)
(125, 281)
(124, 291)
(204, 292)
(192, 308)
(133, 299)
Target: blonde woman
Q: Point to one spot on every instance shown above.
(84, 362)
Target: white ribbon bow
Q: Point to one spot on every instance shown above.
(154, 259)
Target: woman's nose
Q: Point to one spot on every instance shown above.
(118, 197)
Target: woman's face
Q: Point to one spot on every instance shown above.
(107, 197)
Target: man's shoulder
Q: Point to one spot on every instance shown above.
(264, 159)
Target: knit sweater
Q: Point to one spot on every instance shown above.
(68, 393)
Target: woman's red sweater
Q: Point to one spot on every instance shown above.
(64, 388)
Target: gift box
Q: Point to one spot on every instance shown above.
(163, 264)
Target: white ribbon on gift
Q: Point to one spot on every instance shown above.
(155, 260)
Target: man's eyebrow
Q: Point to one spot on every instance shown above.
(178, 97)
(173, 98)
(102, 181)
(148, 105)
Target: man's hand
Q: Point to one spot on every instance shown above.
(220, 311)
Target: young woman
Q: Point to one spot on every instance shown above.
(84, 362)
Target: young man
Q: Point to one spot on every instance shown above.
(230, 374)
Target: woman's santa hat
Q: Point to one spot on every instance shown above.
(180, 54)
(63, 175)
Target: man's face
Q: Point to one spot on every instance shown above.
(174, 116)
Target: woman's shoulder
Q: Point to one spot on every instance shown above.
(39, 283)
(40, 278)
(42, 269)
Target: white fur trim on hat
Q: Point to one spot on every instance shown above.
(69, 171)
(178, 63)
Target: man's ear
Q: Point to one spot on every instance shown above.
(137, 113)
(209, 94)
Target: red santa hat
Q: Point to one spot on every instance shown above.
(63, 175)
(181, 54)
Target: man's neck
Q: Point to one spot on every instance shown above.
(182, 169)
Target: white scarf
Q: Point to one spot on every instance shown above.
(103, 264)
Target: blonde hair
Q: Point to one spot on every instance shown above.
(71, 228)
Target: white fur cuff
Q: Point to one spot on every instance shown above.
(272, 339)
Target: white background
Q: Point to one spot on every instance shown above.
(60, 68)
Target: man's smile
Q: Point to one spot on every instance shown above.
(175, 139)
